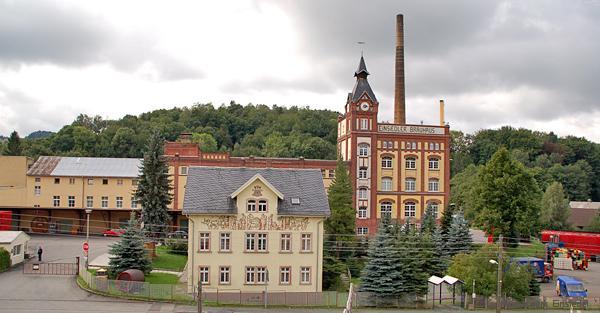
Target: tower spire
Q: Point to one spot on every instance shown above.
(361, 71)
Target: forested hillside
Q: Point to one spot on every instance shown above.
(293, 132)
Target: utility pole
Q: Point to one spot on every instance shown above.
(199, 297)
(473, 294)
(499, 288)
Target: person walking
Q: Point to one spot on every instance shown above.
(40, 251)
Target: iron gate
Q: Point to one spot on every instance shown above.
(51, 268)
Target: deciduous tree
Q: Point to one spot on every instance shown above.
(555, 208)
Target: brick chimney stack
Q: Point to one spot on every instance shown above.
(399, 92)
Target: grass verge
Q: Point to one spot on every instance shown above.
(168, 261)
(162, 278)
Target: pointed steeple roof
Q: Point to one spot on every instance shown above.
(362, 68)
(362, 84)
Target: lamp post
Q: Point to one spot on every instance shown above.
(87, 235)
(499, 272)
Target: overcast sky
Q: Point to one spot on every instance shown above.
(530, 64)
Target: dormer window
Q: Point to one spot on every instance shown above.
(296, 201)
(251, 206)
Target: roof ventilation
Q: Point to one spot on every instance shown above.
(296, 201)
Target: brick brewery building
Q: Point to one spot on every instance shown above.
(397, 169)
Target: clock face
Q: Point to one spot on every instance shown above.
(364, 106)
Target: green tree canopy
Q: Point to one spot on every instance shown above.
(128, 252)
(13, 146)
(507, 197)
(206, 141)
(555, 208)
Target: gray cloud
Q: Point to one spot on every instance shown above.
(47, 32)
(455, 49)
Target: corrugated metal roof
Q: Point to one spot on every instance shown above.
(585, 205)
(97, 167)
(43, 166)
(8, 236)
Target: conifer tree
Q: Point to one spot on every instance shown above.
(446, 220)
(383, 273)
(413, 259)
(459, 237)
(128, 252)
(340, 227)
(440, 253)
(428, 224)
(153, 192)
(14, 144)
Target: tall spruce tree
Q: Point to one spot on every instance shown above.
(459, 237)
(128, 252)
(14, 144)
(428, 224)
(446, 219)
(340, 229)
(413, 259)
(153, 192)
(383, 274)
(440, 253)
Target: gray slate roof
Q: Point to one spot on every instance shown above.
(362, 84)
(87, 167)
(208, 189)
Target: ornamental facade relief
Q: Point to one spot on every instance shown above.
(255, 222)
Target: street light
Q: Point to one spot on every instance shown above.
(499, 285)
(87, 235)
(494, 262)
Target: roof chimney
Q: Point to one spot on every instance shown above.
(399, 94)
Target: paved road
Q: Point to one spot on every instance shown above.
(64, 248)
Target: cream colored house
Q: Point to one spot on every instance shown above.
(254, 229)
(15, 242)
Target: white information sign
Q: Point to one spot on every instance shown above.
(411, 129)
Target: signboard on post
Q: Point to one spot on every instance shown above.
(86, 247)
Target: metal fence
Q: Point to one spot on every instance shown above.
(51, 268)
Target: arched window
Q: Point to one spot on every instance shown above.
(362, 193)
(362, 212)
(410, 184)
(410, 209)
(251, 205)
(262, 206)
(386, 209)
(435, 207)
(434, 163)
(411, 163)
(386, 184)
(386, 162)
(363, 150)
(434, 184)
(437, 146)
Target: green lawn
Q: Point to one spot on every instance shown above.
(535, 249)
(162, 278)
(168, 261)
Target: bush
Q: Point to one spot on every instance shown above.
(177, 246)
(4, 260)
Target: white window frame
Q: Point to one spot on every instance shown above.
(363, 150)
(386, 162)
(262, 206)
(362, 212)
(362, 231)
(434, 164)
(119, 182)
(363, 193)
(119, 202)
(261, 275)
(433, 184)
(71, 201)
(204, 273)
(90, 181)
(250, 276)
(89, 201)
(250, 242)
(204, 242)
(410, 163)
(386, 209)
(363, 173)
(410, 209)
(71, 181)
(104, 202)
(331, 174)
(262, 242)
(387, 184)
(56, 201)
(364, 124)
(410, 184)
(285, 244)
(435, 207)
(37, 190)
(251, 206)
(306, 242)
(134, 202)
(183, 170)
(224, 275)
(285, 275)
(305, 275)
(225, 242)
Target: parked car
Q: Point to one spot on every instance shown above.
(116, 232)
(178, 234)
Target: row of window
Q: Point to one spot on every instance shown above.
(410, 209)
(431, 145)
(90, 181)
(410, 163)
(256, 275)
(251, 206)
(255, 242)
(409, 184)
(363, 149)
(89, 202)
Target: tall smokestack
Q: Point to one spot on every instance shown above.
(442, 119)
(399, 94)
